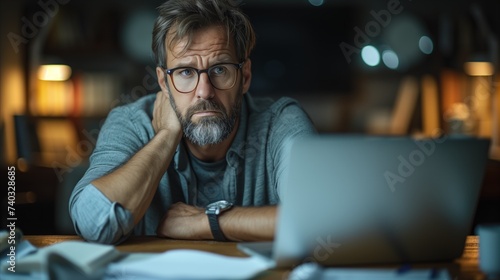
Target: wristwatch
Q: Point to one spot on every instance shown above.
(213, 210)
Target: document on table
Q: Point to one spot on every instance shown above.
(188, 264)
(312, 271)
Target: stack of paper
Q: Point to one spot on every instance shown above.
(189, 264)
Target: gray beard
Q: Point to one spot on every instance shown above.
(209, 130)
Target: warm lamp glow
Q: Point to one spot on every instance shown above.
(479, 68)
(54, 72)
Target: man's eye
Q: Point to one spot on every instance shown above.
(186, 72)
(219, 70)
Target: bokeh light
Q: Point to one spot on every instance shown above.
(370, 55)
(390, 59)
(425, 44)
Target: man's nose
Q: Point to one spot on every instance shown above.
(204, 90)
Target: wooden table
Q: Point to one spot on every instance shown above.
(464, 268)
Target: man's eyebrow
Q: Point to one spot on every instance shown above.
(190, 64)
(184, 65)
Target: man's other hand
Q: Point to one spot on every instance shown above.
(164, 116)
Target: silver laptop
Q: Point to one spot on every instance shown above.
(354, 200)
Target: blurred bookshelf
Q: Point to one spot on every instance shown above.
(57, 120)
(63, 111)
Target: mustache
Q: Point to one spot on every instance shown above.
(205, 105)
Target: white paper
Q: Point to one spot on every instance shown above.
(189, 264)
(382, 274)
(312, 271)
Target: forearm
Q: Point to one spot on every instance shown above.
(184, 221)
(134, 184)
(249, 223)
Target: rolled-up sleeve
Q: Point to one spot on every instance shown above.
(97, 219)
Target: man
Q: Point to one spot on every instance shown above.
(174, 163)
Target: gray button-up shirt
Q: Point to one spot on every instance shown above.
(254, 174)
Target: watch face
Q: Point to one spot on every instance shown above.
(222, 204)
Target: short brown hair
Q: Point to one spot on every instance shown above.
(187, 16)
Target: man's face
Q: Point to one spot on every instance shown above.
(208, 115)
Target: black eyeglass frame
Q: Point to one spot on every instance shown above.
(170, 71)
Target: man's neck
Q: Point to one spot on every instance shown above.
(211, 153)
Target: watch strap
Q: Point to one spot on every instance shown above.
(213, 220)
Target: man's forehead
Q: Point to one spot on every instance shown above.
(205, 38)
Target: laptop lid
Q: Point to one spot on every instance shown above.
(370, 200)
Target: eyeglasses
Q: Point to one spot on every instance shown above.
(222, 76)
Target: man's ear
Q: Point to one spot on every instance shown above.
(160, 73)
(247, 75)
